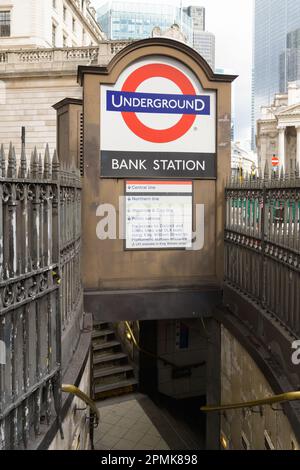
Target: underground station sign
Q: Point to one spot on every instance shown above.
(158, 122)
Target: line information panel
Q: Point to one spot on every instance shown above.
(159, 214)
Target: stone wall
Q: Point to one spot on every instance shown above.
(241, 381)
(28, 103)
(168, 347)
(32, 81)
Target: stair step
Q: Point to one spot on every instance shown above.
(114, 386)
(99, 333)
(111, 371)
(101, 325)
(106, 345)
(109, 357)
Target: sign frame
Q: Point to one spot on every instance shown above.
(167, 180)
(168, 154)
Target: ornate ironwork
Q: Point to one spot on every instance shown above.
(40, 288)
(262, 242)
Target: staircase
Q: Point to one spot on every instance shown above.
(112, 373)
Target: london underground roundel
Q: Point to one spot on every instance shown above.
(157, 108)
(168, 72)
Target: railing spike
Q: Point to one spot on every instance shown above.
(40, 167)
(47, 163)
(55, 165)
(23, 163)
(12, 162)
(35, 164)
(31, 164)
(2, 161)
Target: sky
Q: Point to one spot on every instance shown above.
(231, 22)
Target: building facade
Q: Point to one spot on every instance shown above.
(273, 20)
(136, 20)
(203, 41)
(50, 23)
(278, 130)
(198, 15)
(242, 161)
(205, 44)
(32, 81)
(290, 60)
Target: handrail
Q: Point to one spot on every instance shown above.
(289, 396)
(84, 397)
(159, 358)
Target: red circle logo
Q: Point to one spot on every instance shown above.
(172, 133)
(275, 161)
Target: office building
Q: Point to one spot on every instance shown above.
(290, 61)
(198, 15)
(203, 41)
(136, 20)
(273, 20)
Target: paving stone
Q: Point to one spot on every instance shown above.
(108, 441)
(149, 440)
(124, 444)
(118, 431)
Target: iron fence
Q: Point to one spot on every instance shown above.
(40, 289)
(262, 242)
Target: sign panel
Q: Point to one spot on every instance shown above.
(159, 214)
(158, 113)
(275, 161)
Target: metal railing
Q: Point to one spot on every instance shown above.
(284, 397)
(66, 388)
(262, 242)
(40, 289)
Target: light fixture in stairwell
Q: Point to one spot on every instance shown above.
(224, 442)
(128, 336)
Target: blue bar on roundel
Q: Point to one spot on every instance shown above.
(123, 101)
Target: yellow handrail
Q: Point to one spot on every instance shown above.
(84, 397)
(289, 396)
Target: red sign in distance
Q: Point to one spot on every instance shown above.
(275, 161)
(184, 84)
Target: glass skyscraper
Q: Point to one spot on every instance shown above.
(136, 20)
(273, 19)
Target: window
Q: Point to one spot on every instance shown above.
(53, 35)
(4, 23)
(65, 13)
(73, 24)
(54, 3)
(65, 41)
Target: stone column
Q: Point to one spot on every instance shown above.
(298, 146)
(281, 146)
(263, 152)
